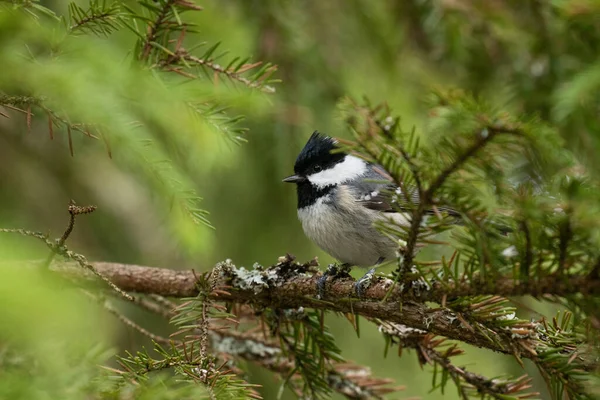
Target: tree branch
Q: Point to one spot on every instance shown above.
(154, 28)
(350, 380)
(470, 152)
(432, 350)
(177, 283)
(232, 73)
(485, 136)
(288, 285)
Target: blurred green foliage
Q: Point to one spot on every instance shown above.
(151, 151)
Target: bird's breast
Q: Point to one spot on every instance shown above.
(320, 220)
(344, 234)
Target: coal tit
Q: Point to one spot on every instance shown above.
(340, 197)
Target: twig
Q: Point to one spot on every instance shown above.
(83, 262)
(413, 169)
(350, 380)
(427, 346)
(154, 307)
(92, 18)
(24, 232)
(408, 251)
(128, 322)
(484, 136)
(483, 139)
(167, 305)
(60, 249)
(74, 210)
(495, 388)
(231, 74)
(12, 101)
(155, 27)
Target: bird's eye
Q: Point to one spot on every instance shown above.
(317, 168)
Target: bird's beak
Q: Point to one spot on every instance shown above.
(294, 179)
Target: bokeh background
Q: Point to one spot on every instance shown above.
(537, 57)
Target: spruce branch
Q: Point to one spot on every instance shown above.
(176, 283)
(381, 138)
(156, 304)
(15, 101)
(305, 339)
(557, 362)
(30, 7)
(235, 74)
(188, 356)
(252, 75)
(54, 118)
(289, 285)
(100, 18)
(173, 57)
(483, 137)
(137, 367)
(155, 27)
(436, 351)
(413, 167)
(432, 350)
(348, 379)
(59, 248)
(128, 321)
(162, 174)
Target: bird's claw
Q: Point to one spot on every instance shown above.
(321, 285)
(333, 270)
(361, 285)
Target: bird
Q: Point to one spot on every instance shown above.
(340, 199)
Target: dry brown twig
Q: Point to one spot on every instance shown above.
(58, 247)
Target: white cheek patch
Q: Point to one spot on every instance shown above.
(351, 168)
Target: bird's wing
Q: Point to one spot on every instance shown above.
(376, 191)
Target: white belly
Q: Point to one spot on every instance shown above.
(350, 238)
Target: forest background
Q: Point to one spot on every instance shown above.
(533, 57)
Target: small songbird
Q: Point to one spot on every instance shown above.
(340, 197)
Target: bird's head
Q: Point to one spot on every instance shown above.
(321, 166)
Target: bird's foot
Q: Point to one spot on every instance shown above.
(361, 285)
(335, 271)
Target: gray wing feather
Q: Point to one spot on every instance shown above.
(377, 191)
(374, 190)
